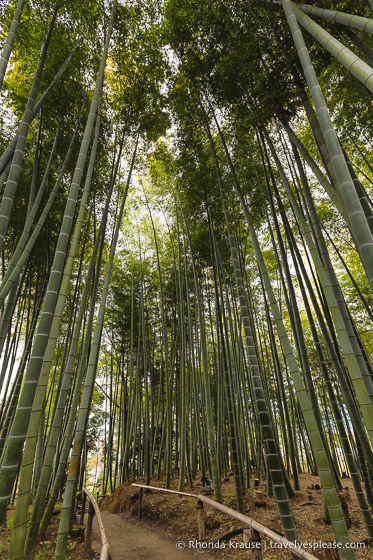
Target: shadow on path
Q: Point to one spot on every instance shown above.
(133, 540)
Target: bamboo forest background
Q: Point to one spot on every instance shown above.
(186, 237)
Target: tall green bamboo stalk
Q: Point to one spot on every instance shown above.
(14, 445)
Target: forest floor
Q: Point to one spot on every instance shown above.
(45, 549)
(168, 529)
(175, 518)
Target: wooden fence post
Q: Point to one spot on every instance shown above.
(88, 531)
(139, 513)
(201, 521)
(82, 512)
(253, 537)
(256, 540)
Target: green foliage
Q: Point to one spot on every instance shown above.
(181, 76)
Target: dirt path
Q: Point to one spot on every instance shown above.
(132, 540)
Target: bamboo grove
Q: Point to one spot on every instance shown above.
(186, 236)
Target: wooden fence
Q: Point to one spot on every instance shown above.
(93, 510)
(257, 529)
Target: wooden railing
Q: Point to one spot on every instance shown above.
(256, 528)
(93, 510)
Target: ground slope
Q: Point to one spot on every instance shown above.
(178, 516)
(132, 540)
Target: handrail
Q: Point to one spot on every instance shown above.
(165, 490)
(105, 551)
(255, 525)
(288, 545)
